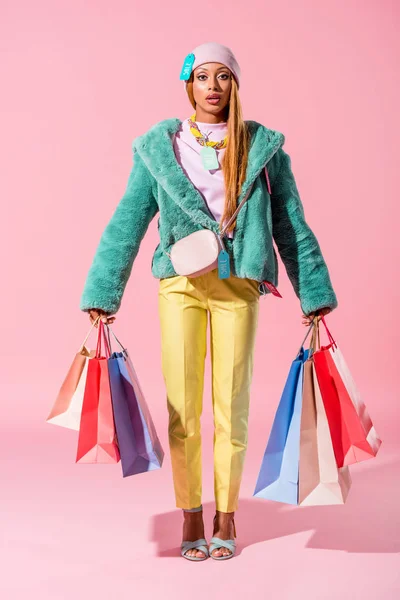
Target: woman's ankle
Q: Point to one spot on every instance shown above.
(192, 510)
(223, 522)
(223, 516)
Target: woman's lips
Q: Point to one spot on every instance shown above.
(213, 100)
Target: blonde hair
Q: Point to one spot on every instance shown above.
(234, 162)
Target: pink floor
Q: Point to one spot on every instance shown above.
(82, 531)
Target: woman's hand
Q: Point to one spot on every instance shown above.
(319, 313)
(98, 312)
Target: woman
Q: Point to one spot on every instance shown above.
(194, 173)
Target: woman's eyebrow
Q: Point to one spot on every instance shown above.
(205, 69)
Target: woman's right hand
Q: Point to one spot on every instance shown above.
(98, 312)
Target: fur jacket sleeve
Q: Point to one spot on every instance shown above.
(120, 241)
(298, 246)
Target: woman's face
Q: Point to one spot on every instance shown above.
(212, 79)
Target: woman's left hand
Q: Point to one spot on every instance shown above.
(319, 313)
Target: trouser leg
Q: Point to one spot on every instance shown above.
(234, 307)
(183, 320)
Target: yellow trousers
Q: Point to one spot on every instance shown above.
(184, 305)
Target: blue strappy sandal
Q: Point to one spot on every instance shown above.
(217, 542)
(200, 544)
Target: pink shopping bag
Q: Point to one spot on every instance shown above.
(321, 482)
(67, 408)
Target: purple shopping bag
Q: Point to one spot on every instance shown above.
(139, 445)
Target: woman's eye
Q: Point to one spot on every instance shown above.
(225, 76)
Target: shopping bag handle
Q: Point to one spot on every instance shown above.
(315, 343)
(101, 335)
(117, 340)
(87, 337)
(330, 336)
(314, 339)
(306, 336)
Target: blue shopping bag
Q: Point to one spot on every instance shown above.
(139, 446)
(278, 478)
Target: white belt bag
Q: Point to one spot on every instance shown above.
(197, 253)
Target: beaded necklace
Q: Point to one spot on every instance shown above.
(208, 151)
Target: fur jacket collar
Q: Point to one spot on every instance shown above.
(156, 149)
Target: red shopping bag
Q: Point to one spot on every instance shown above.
(97, 442)
(349, 437)
(372, 435)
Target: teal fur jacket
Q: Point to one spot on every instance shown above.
(157, 183)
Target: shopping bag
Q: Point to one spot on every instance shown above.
(321, 482)
(372, 436)
(139, 446)
(97, 441)
(349, 437)
(67, 408)
(278, 478)
(144, 409)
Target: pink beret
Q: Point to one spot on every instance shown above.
(214, 52)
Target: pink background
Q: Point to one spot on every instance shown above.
(79, 81)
